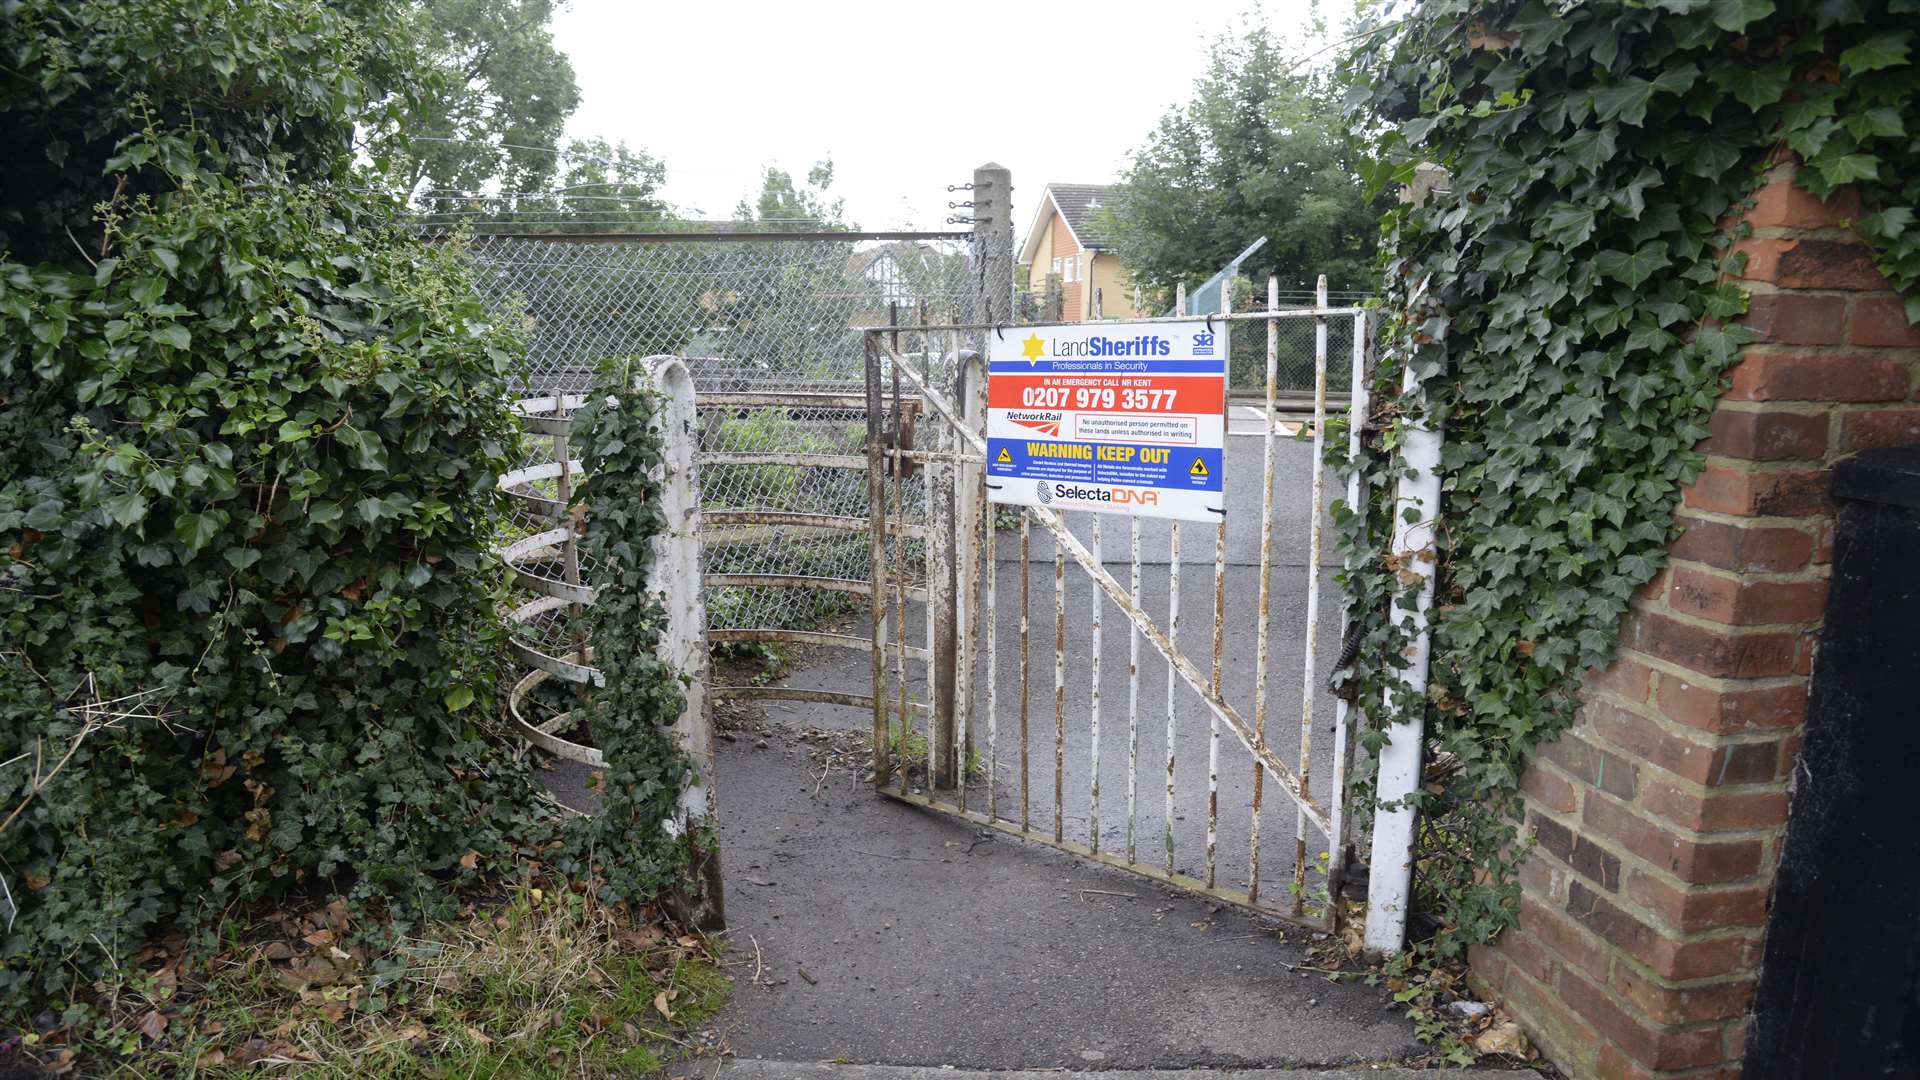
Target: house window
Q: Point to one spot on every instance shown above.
(1072, 262)
(1056, 268)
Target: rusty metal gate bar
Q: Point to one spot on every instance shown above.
(952, 462)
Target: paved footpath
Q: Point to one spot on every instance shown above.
(783, 1070)
(904, 945)
(923, 943)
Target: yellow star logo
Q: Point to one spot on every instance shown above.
(1033, 348)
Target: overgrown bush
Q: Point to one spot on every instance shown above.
(250, 466)
(250, 434)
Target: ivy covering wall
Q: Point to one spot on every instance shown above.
(1563, 299)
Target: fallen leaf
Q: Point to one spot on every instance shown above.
(1504, 1037)
(471, 860)
(660, 1001)
(211, 1058)
(153, 1024)
(479, 1036)
(319, 938)
(335, 1011)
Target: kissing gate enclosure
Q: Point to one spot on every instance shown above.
(1145, 692)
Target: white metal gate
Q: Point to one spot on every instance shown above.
(959, 724)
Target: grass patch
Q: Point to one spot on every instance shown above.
(542, 982)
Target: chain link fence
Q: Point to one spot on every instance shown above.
(772, 332)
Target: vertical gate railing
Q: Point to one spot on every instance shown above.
(935, 370)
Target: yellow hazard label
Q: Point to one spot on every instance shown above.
(1199, 468)
(1004, 458)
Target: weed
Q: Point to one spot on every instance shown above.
(549, 983)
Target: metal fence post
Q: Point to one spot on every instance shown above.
(943, 608)
(1415, 510)
(675, 577)
(969, 499)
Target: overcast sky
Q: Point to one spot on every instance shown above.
(905, 97)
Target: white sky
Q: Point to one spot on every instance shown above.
(905, 97)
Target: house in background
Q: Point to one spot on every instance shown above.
(1064, 243)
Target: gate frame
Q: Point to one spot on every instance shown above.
(965, 417)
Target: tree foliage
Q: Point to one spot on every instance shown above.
(1261, 149)
(783, 205)
(276, 88)
(496, 95)
(1564, 299)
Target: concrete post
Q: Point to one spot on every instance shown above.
(675, 577)
(993, 240)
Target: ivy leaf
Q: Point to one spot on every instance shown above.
(458, 697)
(368, 451)
(324, 510)
(1624, 101)
(198, 530)
(1650, 337)
(1808, 141)
(1634, 267)
(126, 510)
(1847, 168)
(1810, 107)
(1567, 225)
(1889, 224)
(1877, 52)
(168, 261)
(1754, 87)
(1676, 80)
(1870, 123)
(1590, 148)
(172, 334)
(1712, 155)
(1733, 16)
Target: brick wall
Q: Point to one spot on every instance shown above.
(1659, 818)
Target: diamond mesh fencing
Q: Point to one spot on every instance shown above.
(772, 332)
(1293, 369)
(745, 315)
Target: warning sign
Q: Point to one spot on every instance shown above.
(1121, 418)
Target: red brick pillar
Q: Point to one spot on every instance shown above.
(1658, 819)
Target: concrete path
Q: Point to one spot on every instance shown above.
(885, 935)
(896, 936)
(787, 1070)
